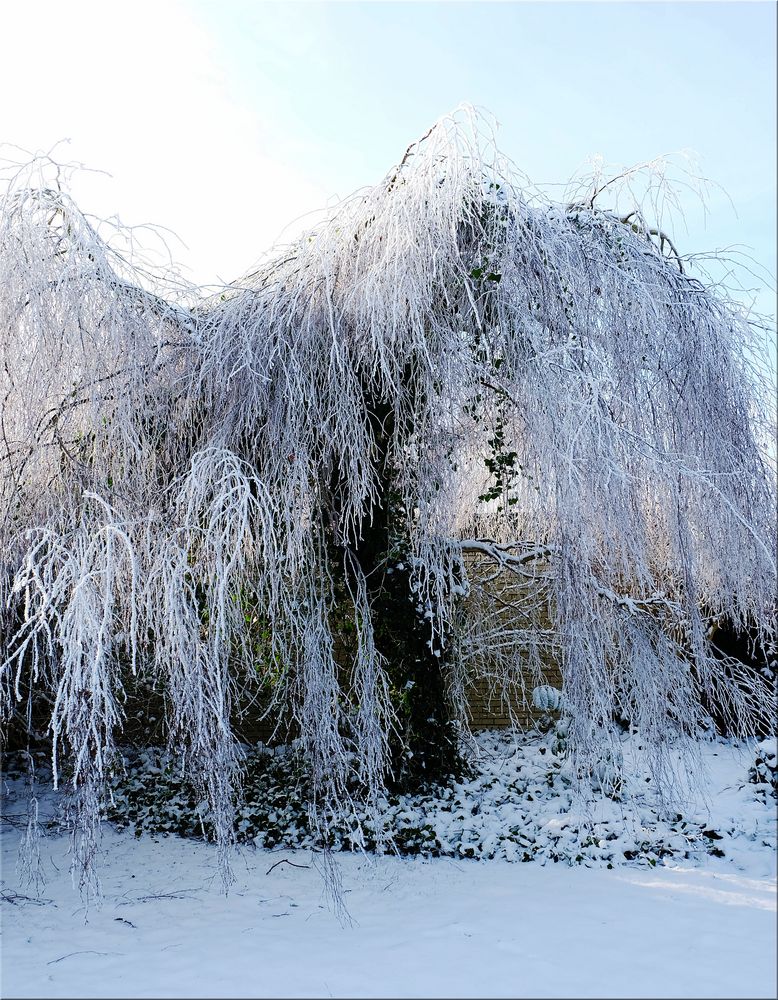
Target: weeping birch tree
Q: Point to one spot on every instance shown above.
(451, 432)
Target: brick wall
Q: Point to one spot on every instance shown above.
(488, 706)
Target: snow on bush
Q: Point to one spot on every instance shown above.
(519, 802)
(764, 771)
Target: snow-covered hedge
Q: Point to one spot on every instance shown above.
(519, 803)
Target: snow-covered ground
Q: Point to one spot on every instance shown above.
(436, 927)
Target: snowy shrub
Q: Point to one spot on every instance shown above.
(606, 774)
(764, 771)
(153, 793)
(520, 803)
(560, 731)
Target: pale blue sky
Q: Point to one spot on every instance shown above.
(225, 120)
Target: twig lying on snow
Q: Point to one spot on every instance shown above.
(283, 861)
(8, 896)
(103, 954)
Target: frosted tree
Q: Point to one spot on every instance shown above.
(464, 427)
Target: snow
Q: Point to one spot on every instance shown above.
(701, 926)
